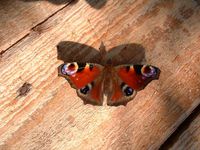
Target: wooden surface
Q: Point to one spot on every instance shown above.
(187, 134)
(49, 115)
(18, 19)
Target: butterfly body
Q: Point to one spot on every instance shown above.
(119, 83)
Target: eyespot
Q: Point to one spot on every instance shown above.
(86, 89)
(69, 69)
(148, 71)
(128, 91)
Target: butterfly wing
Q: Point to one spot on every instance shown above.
(86, 78)
(128, 79)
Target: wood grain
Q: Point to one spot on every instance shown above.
(51, 116)
(18, 17)
(187, 136)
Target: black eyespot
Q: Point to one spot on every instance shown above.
(128, 91)
(85, 89)
(138, 68)
(81, 66)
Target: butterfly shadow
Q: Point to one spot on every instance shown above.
(132, 53)
(97, 4)
(57, 2)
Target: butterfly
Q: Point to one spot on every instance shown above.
(119, 83)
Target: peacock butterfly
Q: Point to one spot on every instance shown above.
(119, 83)
(92, 81)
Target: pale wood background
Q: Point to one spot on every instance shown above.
(51, 116)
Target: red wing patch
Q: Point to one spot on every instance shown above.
(138, 76)
(80, 74)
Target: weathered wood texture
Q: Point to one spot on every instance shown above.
(51, 116)
(187, 136)
(18, 18)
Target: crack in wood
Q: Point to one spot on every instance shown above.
(18, 41)
(34, 29)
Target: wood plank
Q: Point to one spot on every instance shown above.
(18, 17)
(187, 136)
(51, 116)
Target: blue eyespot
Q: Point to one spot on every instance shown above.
(128, 91)
(63, 69)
